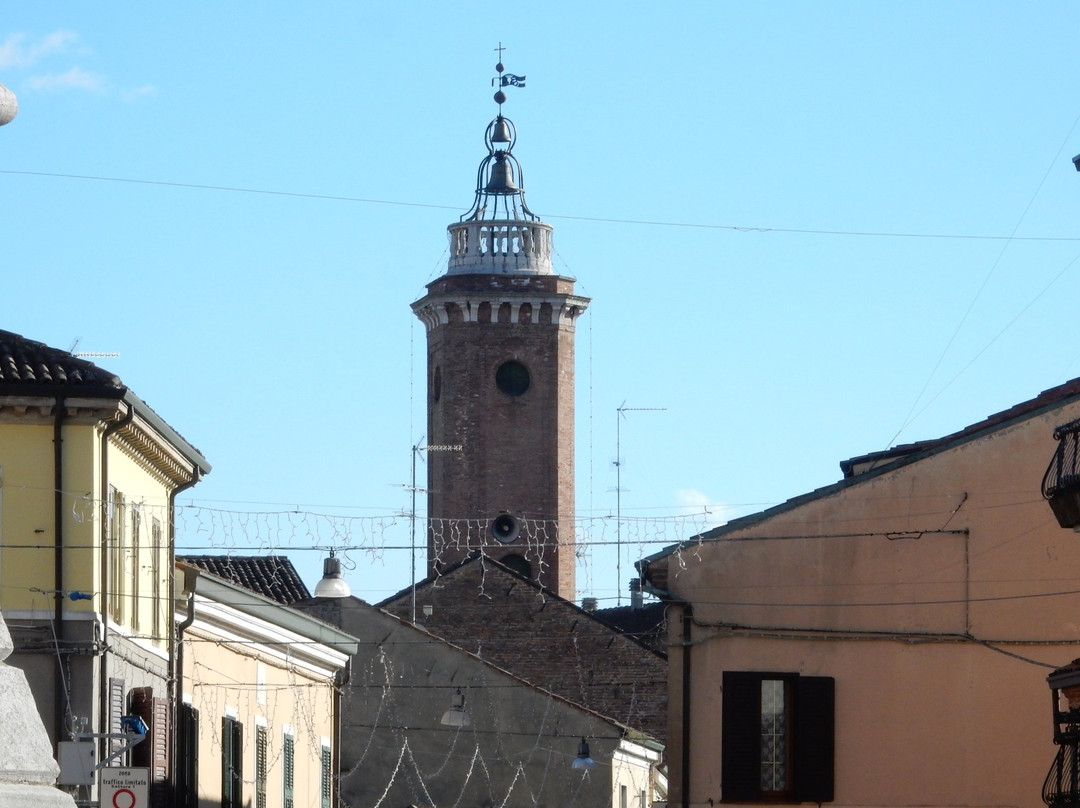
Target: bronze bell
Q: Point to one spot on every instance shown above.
(501, 132)
(501, 179)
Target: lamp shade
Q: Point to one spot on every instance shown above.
(456, 716)
(583, 761)
(332, 584)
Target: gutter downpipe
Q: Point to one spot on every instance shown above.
(61, 702)
(106, 595)
(687, 626)
(175, 688)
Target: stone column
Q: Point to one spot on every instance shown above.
(27, 769)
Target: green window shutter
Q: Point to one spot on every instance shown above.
(260, 767)
(327, 777)
(288, 756)
(187, 785)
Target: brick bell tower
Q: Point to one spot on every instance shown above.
(500, 339)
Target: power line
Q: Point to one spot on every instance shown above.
(565, 217)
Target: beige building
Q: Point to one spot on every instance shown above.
(883, 641)
(88, 477)
(258, 720)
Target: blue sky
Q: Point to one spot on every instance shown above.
(809, 230)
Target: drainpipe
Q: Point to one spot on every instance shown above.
(176, 639)
(61, 704)
(177, 682)
(687, 625)
(103, 693)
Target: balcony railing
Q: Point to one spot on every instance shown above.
(1061, 789)
(1061, 483)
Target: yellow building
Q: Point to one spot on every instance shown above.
(258, 721)
(88, 479)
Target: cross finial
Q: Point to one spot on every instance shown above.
(500, 49)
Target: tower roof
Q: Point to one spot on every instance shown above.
(499, 234)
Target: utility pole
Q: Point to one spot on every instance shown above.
(418, 447)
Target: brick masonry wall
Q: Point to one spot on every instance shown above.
(515, 453)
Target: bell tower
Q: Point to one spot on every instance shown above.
(500, 381)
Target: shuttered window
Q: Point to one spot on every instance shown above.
(153, 752)
(260, 767)
(116, 711)
(187, 761)
(232, 763)
(327, 777)
(777, 737)
(288, 755)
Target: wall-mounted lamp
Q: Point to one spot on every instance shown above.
(456, 715)
(332, 584)
(583, 761)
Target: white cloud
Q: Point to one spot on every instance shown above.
(139, 92)
(18, 50)
(693, 502)
(75, 78)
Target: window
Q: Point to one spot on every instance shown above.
(260, 767)
(777, 735)
(623, 797)
(327, 780)
(232, 763)
(187, 761)
(288, 756)
(159, 601)
(154, 752)
(136, 572)
(117, 564)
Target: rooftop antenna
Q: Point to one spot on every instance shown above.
(620, 413)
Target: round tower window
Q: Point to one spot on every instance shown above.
(512, 378)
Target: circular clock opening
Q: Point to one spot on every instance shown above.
(512, 378)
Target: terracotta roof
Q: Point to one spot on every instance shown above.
(273, 577)
(26, 364)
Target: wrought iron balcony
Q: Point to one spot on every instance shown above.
(1061, 483)
(1061, 789)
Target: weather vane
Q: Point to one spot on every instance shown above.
(507, 80)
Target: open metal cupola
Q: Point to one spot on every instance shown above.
(499, 234)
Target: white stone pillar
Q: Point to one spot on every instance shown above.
(27, 769)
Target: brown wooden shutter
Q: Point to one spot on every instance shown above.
(740, 751)
(814, 738)
(153, 752)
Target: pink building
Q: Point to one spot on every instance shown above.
(883, 641)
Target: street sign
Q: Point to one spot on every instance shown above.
(124, 788)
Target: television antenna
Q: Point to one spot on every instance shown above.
(620, 413)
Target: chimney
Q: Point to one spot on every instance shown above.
(588, 604)
(637, 600)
